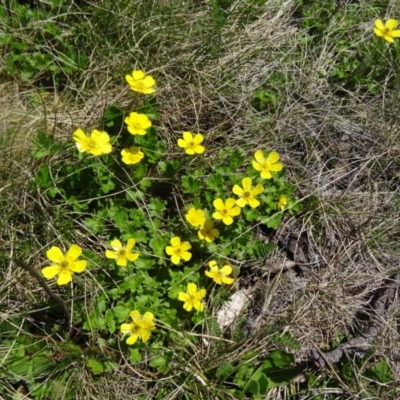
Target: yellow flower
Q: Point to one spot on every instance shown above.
(195, 217)
(140, 82)
(192, 297)
(208, 232)
(191, 144)
(248, 194)
(282, 202)
(387, 31)
(64, 265)
(132, 155)
(139, 328)
(122, 254)
(266, 165)
(97, 143)
(226, 211)
(220, 276)
(137, 123)
(178, 250)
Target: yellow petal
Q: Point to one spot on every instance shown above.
(198, 305)
(395, 33)
(55, 254)
(253, 203)
(227, 220)
(74, 252)
(191, 288)
(175, 241)
(258, 190)
(127, 328)
(138, 75)
(149, 81)
(187, 136)
(78, 266)
(132, 339)
(388, 38)
(64, 277)
(199, 149)
(175, 259)
(79, 135)
(145, 335)
(186, 246)
(198, 138)
(111, 254)
(169, 250)
(276, 167)
(186, 256)
(378, 32)
(259, 156)
(149, 316)
(379, 24)
(273, 157)
(218, 204)
(212, 264)
(188, 306)
(226, 270)
(132, 256)
(182, 296)
(135, 315)
(241, 202)
(229, 203)
(121, 262)
(246, 183)
(182, 143)
(50, 272)
(237, 190)
(391, 23)
(265, 174)
(130, 244)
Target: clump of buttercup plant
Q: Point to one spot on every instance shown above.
(170, 229)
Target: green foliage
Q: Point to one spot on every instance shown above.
(35, 45)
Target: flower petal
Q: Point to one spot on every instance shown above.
(198, 305)
(78, 266)
(186, 256)
(74, 252)
(132, 256)
(175, 259)
(132, 339)
(169, 250)
(145, 334)
(241, 202)
(246, 183)
(182, 296)
(213, 264)
(276, 167)
(226, 270)
(253, 203)
(198, 138)
(378, 32)
(258, 190)
(130, 245)
(121, 262)
(64, 277)
(191, 288)
(235, 211)
(187, 136)
(138, 75)
(391, 23)
(237, 190)
(379, 24)
(218, 204)
(229, 203)
(186, 246)
(182, 143)
(175, 241)
(259, 156)
(50, 272)
(55, 254)
(395, 33)
(110, 254)
(273, 157)
(227, 220)
(127, 328)
(135, 315)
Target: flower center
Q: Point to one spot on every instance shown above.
(246, 194)
(92, 144)
(121, 253)
(64, 265)
(191, 144)
(178, 251)
(224, 212)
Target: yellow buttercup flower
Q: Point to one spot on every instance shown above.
(226, 211)
(191, 144)
(195, 217)
(137, 123)
(387, 31)
(140, 82)
(122, 254)
(208, 232)
(247, 194)
(132, 155)
(266, 165)
(64, 265)
(140, 328)
(97, 143)
(192, 298)
(178, 250)
(220, 276)
(282, 203)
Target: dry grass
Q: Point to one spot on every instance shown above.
(341, 150)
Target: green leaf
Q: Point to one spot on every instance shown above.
(134, 356)
(122, 313)
(191, 185)
(158, 245)
(274, 221)
(110, 321)
(44, 145)
(95, 366)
